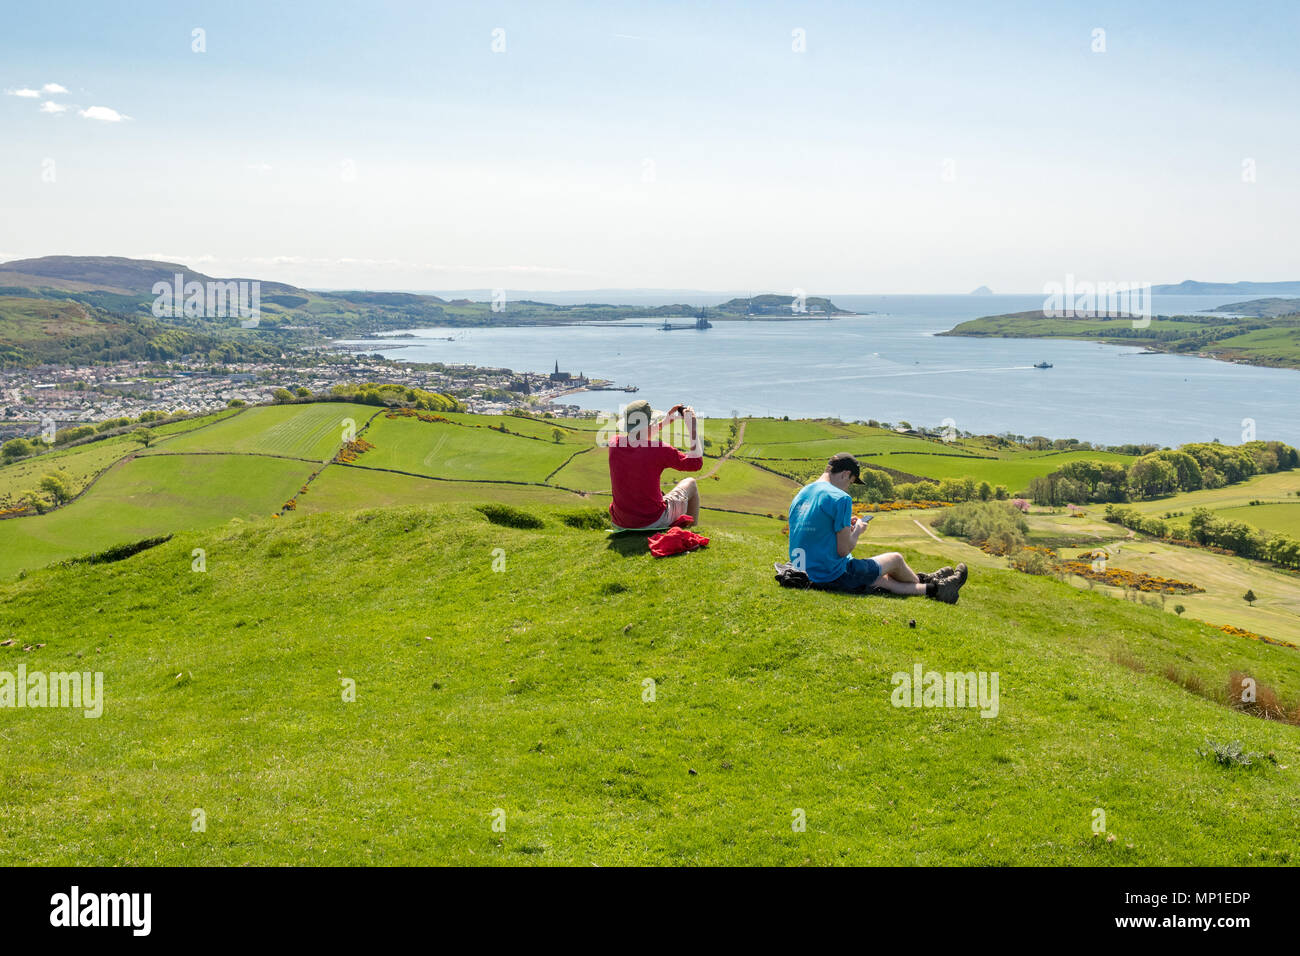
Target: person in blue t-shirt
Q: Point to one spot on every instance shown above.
(824, 532)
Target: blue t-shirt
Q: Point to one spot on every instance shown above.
(817, 513)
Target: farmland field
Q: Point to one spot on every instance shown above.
(148, 496)
(1282, 518)
(296, 431)
(82, 462)
(455, 451)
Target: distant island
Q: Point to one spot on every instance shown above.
(982, 290)
(1262, 308)
(1267, 332)
(1192, 287)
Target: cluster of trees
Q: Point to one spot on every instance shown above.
(1206, 528)
(1165, 472)
(879, 486)
(951, 489)
(375, 393)
(999, 526)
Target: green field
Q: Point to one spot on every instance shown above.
(314, 432)
(341, 488)
(148, 496)
(1282, 518)
(81, 463)
(456, 451)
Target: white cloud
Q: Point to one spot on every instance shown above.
(30, 94)
(49, 106)
(53, 88)
(104, 114)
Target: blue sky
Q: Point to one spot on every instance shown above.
(911, 147)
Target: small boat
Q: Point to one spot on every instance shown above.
(1042, 365)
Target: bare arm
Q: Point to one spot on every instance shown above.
(846, 539)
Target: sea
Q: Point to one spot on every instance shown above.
(888, 364)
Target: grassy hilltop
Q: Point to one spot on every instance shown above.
(526, 689)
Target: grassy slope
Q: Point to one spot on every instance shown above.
(455, 451)
(298, 431)
(523, 691)
(82, 463)
(148, 496)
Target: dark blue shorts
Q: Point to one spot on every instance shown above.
(858, 576)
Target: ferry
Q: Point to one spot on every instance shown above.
(1042, 365)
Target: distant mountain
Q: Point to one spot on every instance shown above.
(116, 297)
(982, 290)
(108, 273)
(1192, 287)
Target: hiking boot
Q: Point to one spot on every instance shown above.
(948, 588)
(926, 577)
(945, 590)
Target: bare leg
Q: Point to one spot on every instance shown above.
(689, 488)
(908, 589)
(893, 565)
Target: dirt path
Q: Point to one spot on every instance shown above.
(927, 531)
(740, 438)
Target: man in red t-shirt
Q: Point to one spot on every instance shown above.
(637, 458)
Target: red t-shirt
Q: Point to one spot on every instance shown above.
(634, 472)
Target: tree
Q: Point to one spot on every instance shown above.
(282, 395)
(302, 392)
(55, 484)
(1151, 476)
(1250, 598)
(16, 448)
(557, 436)
(1179, 609)
(144, 436)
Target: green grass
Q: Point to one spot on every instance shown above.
(81, 463)
(739, 486)
(455, 451)
(313, 431)
(342, 489)
(1280, 518)
(148, 496)
(822, 449)
(523, 691)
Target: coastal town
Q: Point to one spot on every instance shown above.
(32, 399)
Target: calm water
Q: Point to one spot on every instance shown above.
(890, 366)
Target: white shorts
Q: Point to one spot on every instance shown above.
(675, 503)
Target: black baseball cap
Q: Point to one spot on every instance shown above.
(846, 462)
